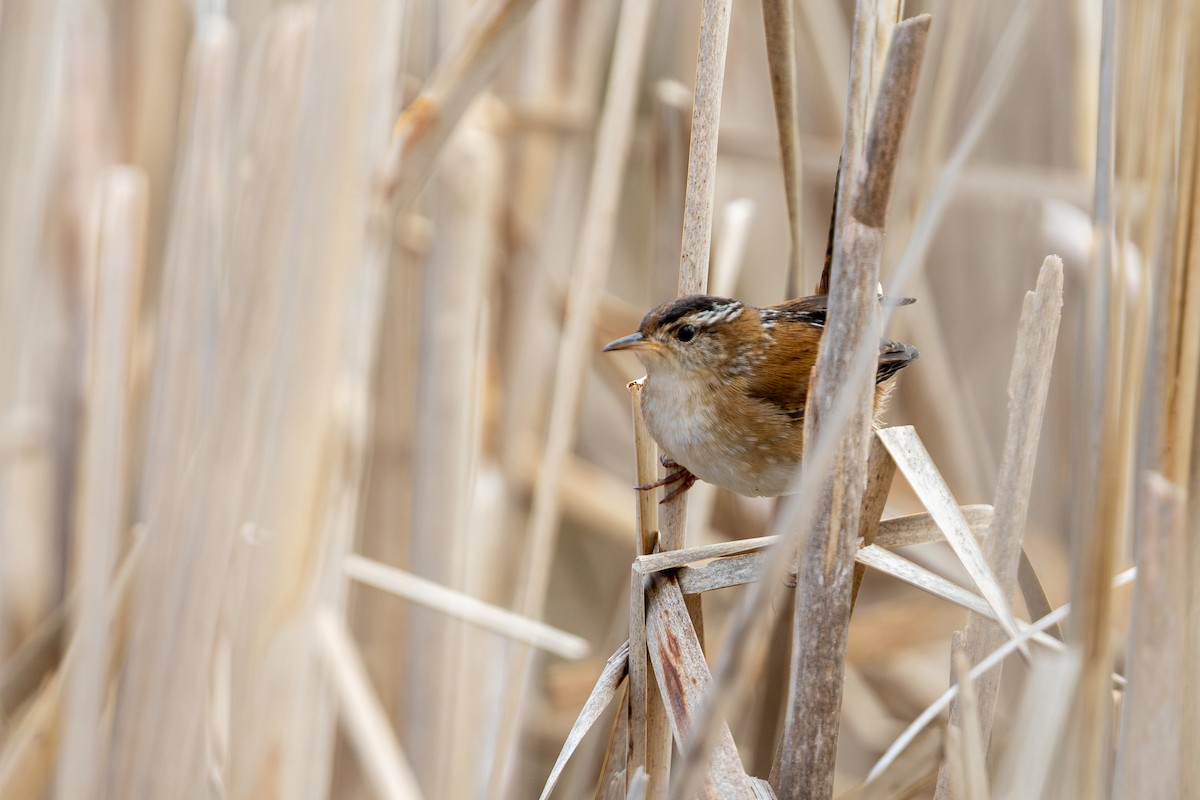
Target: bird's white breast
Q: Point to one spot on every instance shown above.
(679, 412)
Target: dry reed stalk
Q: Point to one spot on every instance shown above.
(1028, 386)
(650, 732)
(779, 21)
(988, 93)
(386, 534)
(974, 785)
(1036, 736)
(464, 193)
(880, 470)
(671, 125)
(613, 775)
(702, 154)
(261, 205)
(464, 71)
(592, 259)
(151, 49)
(31, 739)
(159, 710)
(697, 217)
(953, 748)
(1087, 50)
(116, 266)
(1096, 526)
(318, 402)
(917, 467)
(378, 750)
(1182, 445)
(564, 68)
(30, 52)
(1151, 755)
(828, 34)
(736, 219)
(804, 763)
(464, 607)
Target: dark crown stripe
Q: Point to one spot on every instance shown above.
(682, 307)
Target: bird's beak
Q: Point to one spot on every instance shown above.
(634, 341)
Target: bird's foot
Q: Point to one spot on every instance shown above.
(681, 475)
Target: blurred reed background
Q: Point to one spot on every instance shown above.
(313, 481)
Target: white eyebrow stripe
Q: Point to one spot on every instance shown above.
(726, 312)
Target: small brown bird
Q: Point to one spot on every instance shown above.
(726, 385)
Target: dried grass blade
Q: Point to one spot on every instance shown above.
(916, 575)
(779, 21)
(672, 559)
(923, 529)
(722, 573)
(1034, 593)
(914, 461)
(602, 694)
(995, 657)
(684, 680)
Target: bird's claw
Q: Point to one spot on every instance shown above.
(681, 475)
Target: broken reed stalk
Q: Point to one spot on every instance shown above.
(804, 765)
(592, 259)
(1028, 387)
(779, 23)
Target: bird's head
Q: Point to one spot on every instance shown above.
(695, 334)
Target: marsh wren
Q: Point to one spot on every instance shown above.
(726, 385)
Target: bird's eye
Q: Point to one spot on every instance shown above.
(686, 333)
